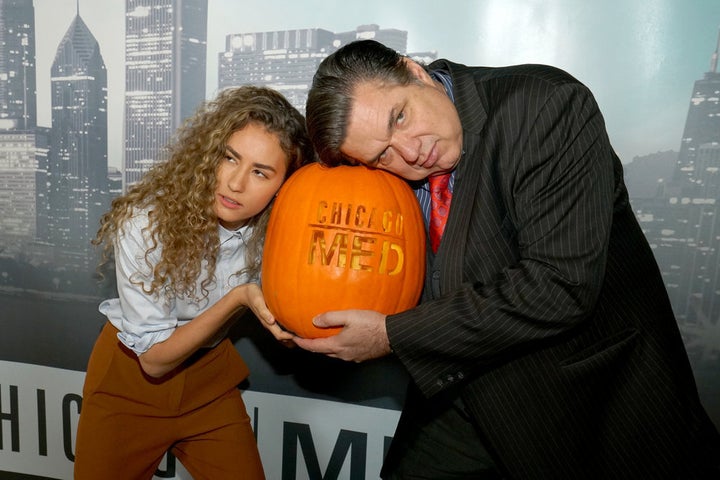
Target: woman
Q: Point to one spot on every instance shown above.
(187, 243)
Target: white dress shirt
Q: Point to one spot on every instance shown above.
(144, 319)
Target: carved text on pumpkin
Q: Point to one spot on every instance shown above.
(356, 251)
(360, 216)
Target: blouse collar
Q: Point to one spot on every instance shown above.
(240, 233)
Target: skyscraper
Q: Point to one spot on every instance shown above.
(18, 112)
(697, 189)
(286, 60)
(683, 222)
(17, 65)
(77, 163)
(18, 168)
(165, 63)
(703, 121)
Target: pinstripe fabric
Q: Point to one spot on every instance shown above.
(544, 308)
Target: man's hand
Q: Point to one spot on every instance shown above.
(363, 335)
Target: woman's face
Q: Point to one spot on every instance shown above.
(249, 175)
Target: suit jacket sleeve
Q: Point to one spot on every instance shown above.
(539, 170)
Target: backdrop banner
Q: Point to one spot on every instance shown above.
(298, 437)
(92, 90)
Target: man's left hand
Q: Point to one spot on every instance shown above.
(363, 335)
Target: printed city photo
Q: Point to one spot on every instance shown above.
(94, 95)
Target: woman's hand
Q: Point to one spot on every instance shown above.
(207, 328)
(256, 301)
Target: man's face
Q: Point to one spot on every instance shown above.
(410, 130)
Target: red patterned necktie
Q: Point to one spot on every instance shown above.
(440, 198)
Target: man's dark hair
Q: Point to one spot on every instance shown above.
(330, 97)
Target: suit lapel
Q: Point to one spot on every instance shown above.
(474, 201)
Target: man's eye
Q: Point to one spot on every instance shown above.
(380, 158)
(400, 117)
(384, 158)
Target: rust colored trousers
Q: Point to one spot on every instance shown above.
(128, 420)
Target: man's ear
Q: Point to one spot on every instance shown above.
(418, 71)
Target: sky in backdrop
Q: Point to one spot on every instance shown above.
(640, 57)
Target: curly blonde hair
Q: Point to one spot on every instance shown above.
(179, 193)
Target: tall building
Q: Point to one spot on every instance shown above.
(682, 223)
(165, 63)
(42, 206)
(18, 113)
(286, 60)
(705, 281)
(77, 163)
(703, 121)
(18, 168)
(18, 109)
(696, 191)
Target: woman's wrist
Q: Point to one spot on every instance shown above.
(241, 297)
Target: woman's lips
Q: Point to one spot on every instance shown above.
(228, 202)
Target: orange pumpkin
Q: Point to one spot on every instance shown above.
(342, 238)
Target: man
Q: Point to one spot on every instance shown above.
(545, 346)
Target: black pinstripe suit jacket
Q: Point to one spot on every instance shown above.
(544, 309)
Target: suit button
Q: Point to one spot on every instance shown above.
(435, 284)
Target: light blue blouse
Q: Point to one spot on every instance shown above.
(143, 319)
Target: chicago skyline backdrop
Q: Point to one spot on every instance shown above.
(639, 57)
(675, 148)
